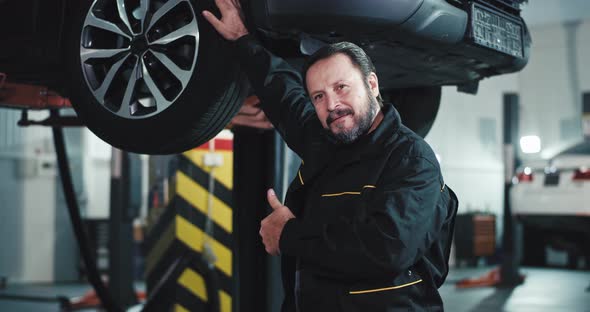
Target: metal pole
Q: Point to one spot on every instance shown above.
(509, 275)
(121, 231)
(253, 174)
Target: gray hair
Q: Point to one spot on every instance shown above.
(357, 56)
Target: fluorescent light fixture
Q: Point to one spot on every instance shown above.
(530, 144)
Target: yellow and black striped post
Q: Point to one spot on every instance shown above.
(189, 266)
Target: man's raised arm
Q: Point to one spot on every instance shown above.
(275, 82)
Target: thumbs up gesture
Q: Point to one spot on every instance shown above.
(271, 227)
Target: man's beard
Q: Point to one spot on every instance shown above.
(361, 128)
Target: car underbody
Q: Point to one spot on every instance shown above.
(106, 57)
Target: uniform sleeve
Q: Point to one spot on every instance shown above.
(395, 230)
(280, 89)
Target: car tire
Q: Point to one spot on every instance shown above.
(172, 84)
(417, 106)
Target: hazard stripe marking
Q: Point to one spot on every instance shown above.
(155, 233)
(196, 195)
(194, 237)
(159, 249)
(200, 176)
(179, 308)
(195, 283)
(223, 174)
(179, 236)
(198, 218)
(224, 301)
(173, 253)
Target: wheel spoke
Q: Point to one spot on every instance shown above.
(149, 82)
(179, 73)
(87, 54)
(123, 14)
(143, 5)
(94, 21)
(104, 86)
(125, 108)
(186, 30)
(162, 11)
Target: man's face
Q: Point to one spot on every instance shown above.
(344, 102)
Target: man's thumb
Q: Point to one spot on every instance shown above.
(272, 199)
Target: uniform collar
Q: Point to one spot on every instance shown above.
(387, 128)
(372, 143)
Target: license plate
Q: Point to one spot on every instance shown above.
(496, 31)
(552, 179)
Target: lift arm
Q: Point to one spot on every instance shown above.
(31, 97)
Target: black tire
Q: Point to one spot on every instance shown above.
(417, 107)
(212, 93)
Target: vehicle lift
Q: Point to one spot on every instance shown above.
(507, 274)
(119, 291)
(258, 168)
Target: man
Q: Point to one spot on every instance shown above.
(368, 220)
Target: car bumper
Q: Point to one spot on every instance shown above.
(573, 200)
(434, 19)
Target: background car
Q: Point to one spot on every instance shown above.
(152, 76)
(553, 204)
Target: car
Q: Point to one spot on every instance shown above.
(553, 204)
(152, 76)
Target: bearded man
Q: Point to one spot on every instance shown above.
(368, 221)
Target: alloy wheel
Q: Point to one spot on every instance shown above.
(138, 56)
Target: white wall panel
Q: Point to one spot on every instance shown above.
(552, 83)
(550, 89)
(97, 170)
(542, 12)
(471, 166)
(35, 232)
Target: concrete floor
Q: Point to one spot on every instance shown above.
(544, 290)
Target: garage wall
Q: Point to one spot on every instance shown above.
(467, 134)
(35, 229)
(552, 84)
(552, 12)
(35, 232)
(97, 180)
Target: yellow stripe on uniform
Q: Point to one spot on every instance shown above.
(340, 194)
(300, 178)
(196, 195)
(348, 193)
(194, 237)
(358, 292)
(195, 283)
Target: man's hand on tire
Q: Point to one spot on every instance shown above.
(231, 25)
(251, 115)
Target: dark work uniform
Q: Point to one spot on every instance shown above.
(374, 218)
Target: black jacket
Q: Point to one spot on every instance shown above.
(374, 218)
